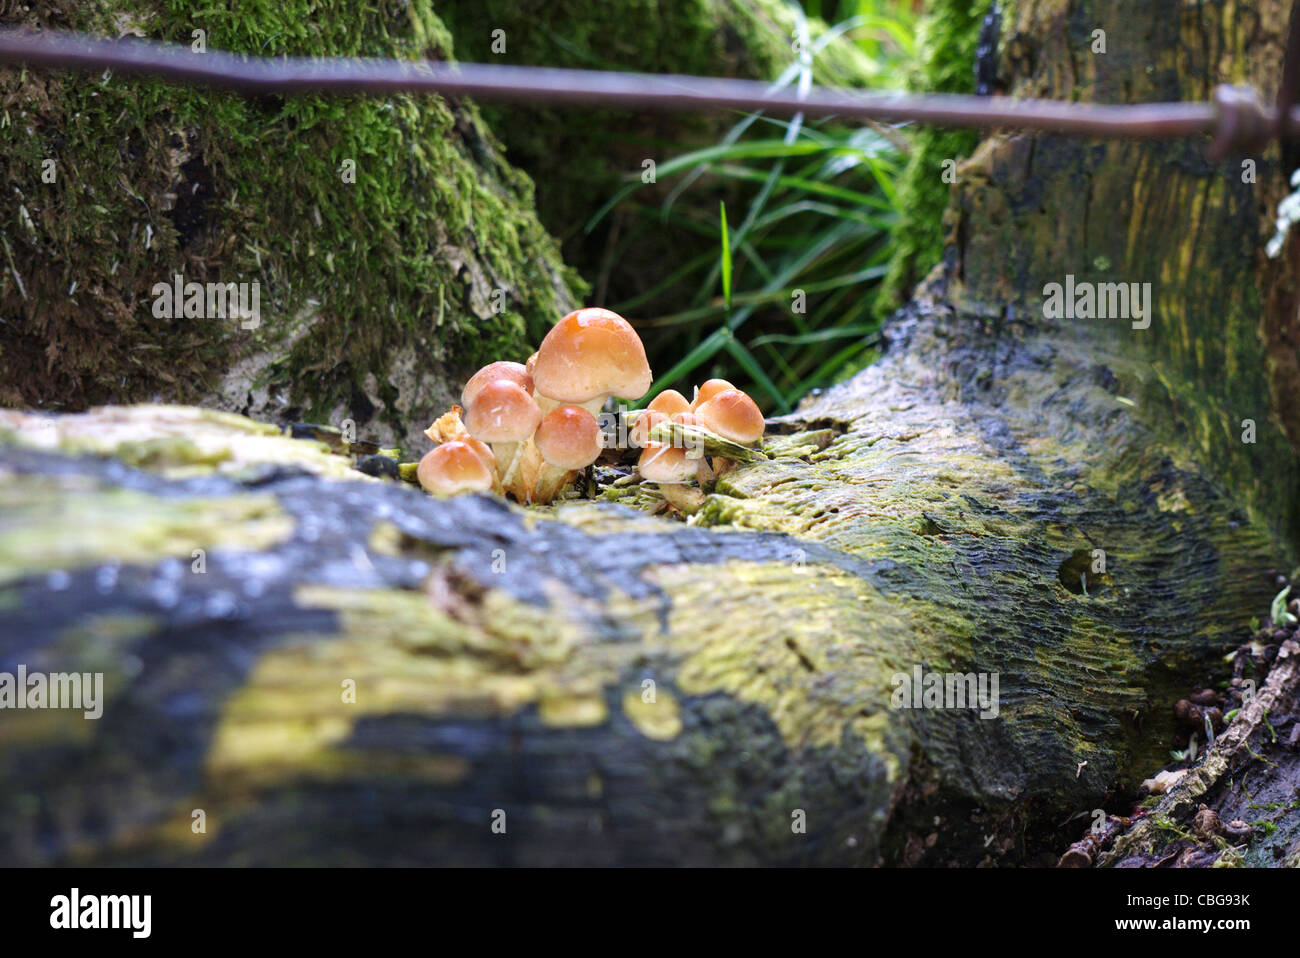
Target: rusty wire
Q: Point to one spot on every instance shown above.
(1237, 120)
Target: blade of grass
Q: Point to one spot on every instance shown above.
(749, 364)
(817, 336)
(763, 149)
(726, 259)
(808, 186)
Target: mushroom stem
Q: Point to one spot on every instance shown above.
(520, 477)
(507, 454)
(550, 481)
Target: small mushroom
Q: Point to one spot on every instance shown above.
(1206, 823)
(516, 373)
(733, 415)
(1238, 831)
(667, 403)
(504, 415)
(710, 389)
(670, 467)
(568, 439)
(453, 468)
(588, 356)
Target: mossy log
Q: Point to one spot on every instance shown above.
(363, 674)
(500, 656)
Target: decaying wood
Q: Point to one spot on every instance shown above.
(1250, 776)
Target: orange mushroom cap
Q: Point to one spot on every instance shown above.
(669, 402)
(569, 438)
(590, 354)
(483, 449)
(516, 373)
(732, 415)
(710, 389)
(452, 468)
(645, 421)
(663, 463)
(502, 412)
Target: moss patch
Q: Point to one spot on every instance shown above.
(154, 180)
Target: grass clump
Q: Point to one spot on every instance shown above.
(816, 209)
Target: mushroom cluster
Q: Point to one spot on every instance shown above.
(720, 409)
(527, 430)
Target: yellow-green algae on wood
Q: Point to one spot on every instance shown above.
(289, 726)
(174, 441)
(984, 513)
(56, 523)
(100, 644)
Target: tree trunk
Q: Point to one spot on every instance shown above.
(364, 674)
(393, 248)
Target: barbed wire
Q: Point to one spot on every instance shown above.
(1236, 119)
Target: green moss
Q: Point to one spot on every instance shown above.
(155, 179)
(947, 38)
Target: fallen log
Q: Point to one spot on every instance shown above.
(361, 673)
